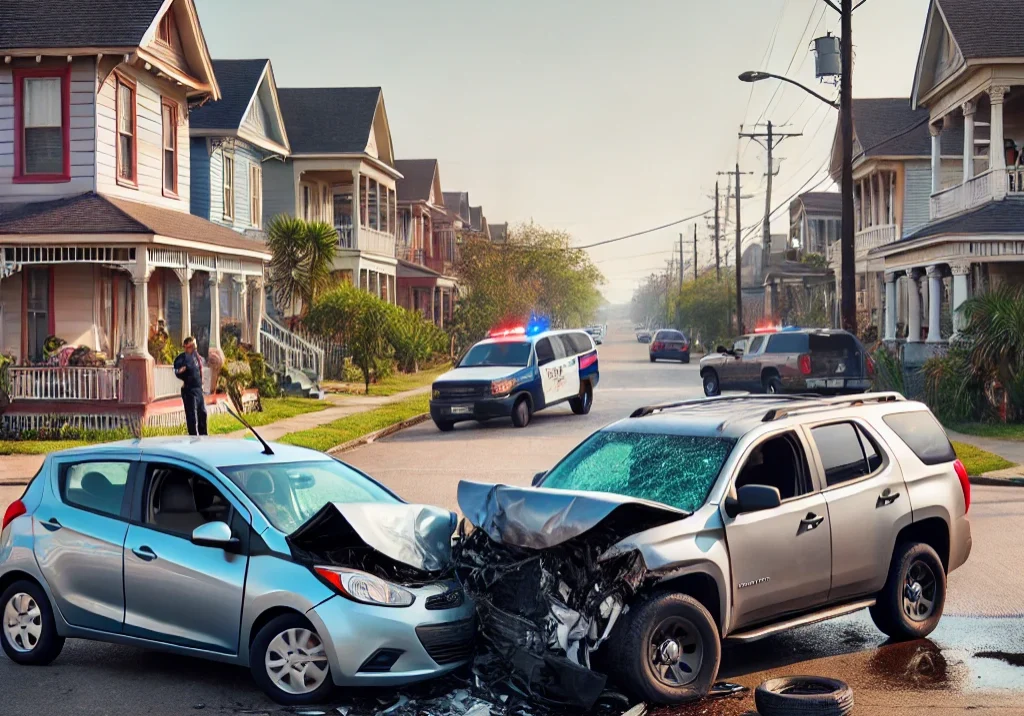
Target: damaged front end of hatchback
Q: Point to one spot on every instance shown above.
(548, 588)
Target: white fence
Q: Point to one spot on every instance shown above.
(72, 383)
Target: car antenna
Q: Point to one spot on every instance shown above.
(237, 416)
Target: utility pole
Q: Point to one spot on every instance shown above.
(680, 261)
(848, 303)
(739, 249)
(694, 252)
(772, 140)
(718, 260)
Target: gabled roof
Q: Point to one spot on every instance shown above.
(986, 28)
(996, 217)
(418, 178)
(457, 203)
(820, 202)
(499, 232)
(75, 23)
(476, 217)
(882, 125)
(329, 120)
(243, 83)
(92, 213)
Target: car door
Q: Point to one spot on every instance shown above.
(781, 558)
(571, 366)
(79, 538)
(730, 371)
(750, 364)
(867, 505)
(552, 362)
(176, 591)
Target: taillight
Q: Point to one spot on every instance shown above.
(686, 346)
(15, 509)
(965, 483)
(805, 364)
(657, 347)
(870, 367)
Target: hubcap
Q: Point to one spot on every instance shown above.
(296, 661)
(919, 590)
(23, 622)
(709, 385)
(676, 652)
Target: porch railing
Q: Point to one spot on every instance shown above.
(345, 240)
(873, 237)
(71, 383)
(376, 242)
(976, 191)
(167, 385)
(283, 350)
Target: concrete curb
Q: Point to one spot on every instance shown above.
(377, 434)
(997, 481)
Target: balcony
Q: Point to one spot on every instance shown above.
(873, 237)
(992, 185)
(366, 239)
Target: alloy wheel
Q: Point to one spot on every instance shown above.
(919, 590)
(296, 661)
(676, 652)
(23, 622)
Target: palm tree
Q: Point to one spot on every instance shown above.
(994, 331)
(302, 259)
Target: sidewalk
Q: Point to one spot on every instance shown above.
(19, 469)
(1012, 450)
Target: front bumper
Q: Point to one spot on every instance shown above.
(454, 411)
(432, 642)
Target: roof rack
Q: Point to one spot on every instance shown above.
(823, 403)
(660, 407)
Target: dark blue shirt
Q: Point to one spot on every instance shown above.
(192, 377)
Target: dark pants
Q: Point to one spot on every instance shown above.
(195, 410)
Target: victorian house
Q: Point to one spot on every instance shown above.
(97, 244)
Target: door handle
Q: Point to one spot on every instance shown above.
(811, 522)
(52, 524)
(144, 553)
(887, 498)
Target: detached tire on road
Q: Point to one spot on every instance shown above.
(521, 413)
(911, 602)
(803, 695)
(666, 650)
(581, 405)
(711, 385)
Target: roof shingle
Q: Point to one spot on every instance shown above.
(986, 28)
(882, 128)
(822, 202)
(418, 178)
(996, 217)
(76, 23)
(238, 80)
(329, 120)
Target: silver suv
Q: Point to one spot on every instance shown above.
(752, 515)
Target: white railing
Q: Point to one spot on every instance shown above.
(873, 237)
(376, 242)
(976, 191)
(165, 383)
(72, 383)
(345, 240)
(282, 350)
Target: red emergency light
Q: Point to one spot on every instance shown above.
(506, 332)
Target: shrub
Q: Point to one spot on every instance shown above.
(952, 388)
(888, 370)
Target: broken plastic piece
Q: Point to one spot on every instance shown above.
(722, 689)
(402, 701)
(638, 710)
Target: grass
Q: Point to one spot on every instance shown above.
(1003, 431)
(397, 383)
(351, 427)
(274, 409)
(978, 461)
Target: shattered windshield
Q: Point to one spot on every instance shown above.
(290, 493)
(675, 470)
(491, 354)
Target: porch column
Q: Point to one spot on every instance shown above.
(241, 286)
(996, 153)
(215, 356)
(433, 304)
(936, 132)
(890, 307)
(259, 310)
(184, 277)
(961, 290)
(969, 107)
(356, 206)
(934, 303)
(914, 306)
(440, 316)
(137, 365)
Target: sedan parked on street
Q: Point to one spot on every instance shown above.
(280, 559)
(668, 344)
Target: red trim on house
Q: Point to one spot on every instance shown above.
(122, 79)
(19, 75)
(170, 103)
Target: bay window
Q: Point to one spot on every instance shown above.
(42, 118)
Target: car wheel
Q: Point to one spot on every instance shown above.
(288, 661)
(582, 404)
(29, 630)
(711, 385)
(521, 413)
(686, 359)
(653, 359)
(772, 385)
(667, 650)
(911, 602)
(803, 695)
(444, 426)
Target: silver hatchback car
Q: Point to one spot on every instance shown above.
(291, 563)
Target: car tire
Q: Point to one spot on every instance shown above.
(653, 359)
(289, 631)
(581, 405)
(444, 426)
(668, 625)
(911, 602)
(521, 413)
(772, 384)
(803, 695)
(33, 639)
(712, 386)
(686, 359)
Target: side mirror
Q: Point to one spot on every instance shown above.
(721, 349)
(214, 534)
(752, 498)
(537, 478)
(738, 352)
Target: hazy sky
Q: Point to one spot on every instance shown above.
(600, 117)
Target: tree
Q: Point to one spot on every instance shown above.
(302, 260)
(704, 307)
(413, 338)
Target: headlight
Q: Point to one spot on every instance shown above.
(365, 588)
(502, 387)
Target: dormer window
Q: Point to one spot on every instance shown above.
(42, 138)
(165, 28)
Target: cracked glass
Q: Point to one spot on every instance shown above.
(675, 470)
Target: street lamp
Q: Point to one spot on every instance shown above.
(756, 76)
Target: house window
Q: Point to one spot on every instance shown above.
(37, 311)
(42, 106)
(165, 29)
(170, 147)
(255, 194)
(373, 201)
(228, 180)
(127, 141)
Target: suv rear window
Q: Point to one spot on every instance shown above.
(846, 452)
(922, 433)
(577, 343)
(787, 343)
(670, 336)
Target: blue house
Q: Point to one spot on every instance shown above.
(231, 142)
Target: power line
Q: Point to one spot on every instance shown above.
(645, 231)
(799, 43)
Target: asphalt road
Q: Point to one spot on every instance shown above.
(967, 665)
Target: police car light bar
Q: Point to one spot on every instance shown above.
(504, 332)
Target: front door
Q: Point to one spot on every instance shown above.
(79, 540)
(176, 591)
(37, 311)
(781, 558)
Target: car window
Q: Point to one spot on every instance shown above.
(500, 353)
(580, 342)
(177, 500)
(95, 486)
(756, 344)
(740, 344)
(923, 435)
(565, 340)
(778, 462)
(676, 470)
(787, 343)
(545, 353)
(846, 453)
(292, 492)
(671, 336)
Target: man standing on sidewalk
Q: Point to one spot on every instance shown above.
(188, 366)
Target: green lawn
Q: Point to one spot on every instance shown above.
(1003, 431)
(353, 426)
(274, 409)
(397, 383)
(978, 461)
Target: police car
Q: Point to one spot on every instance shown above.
(514, 373)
